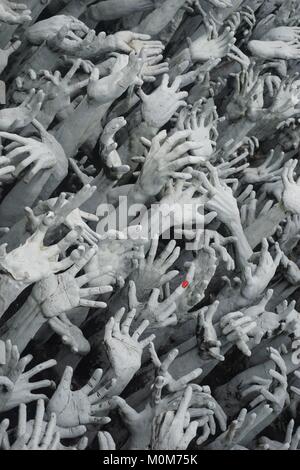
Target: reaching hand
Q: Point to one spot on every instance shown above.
(23, 389)
(14, 13)
(126, 41)
(108, 89)
(7, 52)
(208, 344)
(162, 370)
(291, 189)
(235, 327)
(291, 442)
(174, 431)
(201, 121)
(109, 152)
(269, 171)
(118, 254)
(33, 261)
(59, 293)
(273, 390)
(125, 351)
(12, 119)
(206, 48)
(71, 335)
(258, 277)
(152, 270)
(163, 102)
(48, 29)
(74, 408)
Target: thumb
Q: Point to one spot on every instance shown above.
(142, 95)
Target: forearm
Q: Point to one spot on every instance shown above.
(221, 15)
(228, 395)
(113, 9)
(27, 194)
(264, 417)
(242, 246)
(73, 131)
(133, 146)
(230, 300)
(24, 325)
(157, 20)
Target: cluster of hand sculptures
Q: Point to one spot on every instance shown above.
(150, 224)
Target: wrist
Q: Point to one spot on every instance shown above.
(235, 226)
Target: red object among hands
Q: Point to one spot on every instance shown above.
(185, 284)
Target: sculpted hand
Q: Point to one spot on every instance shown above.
(124, 350)
(290, 442)
(235, 327)
(10, 372)
(273, 390)
(62, 292)
(162, 370)
(269, 171)
(35, 154)
(291, 189)
(207, 339)
(219, 197)
(23, 389)
(153, 65)
(6, 53)
(109, 151)
(187, 210)
(201, 120)
(275, 49)
(173, 430)
(106, 441)
(80, 407)
(166, 157)
(126, 41)
(59, 91)
(14, 13)
(47, 29)
(71, 335)
(41, 436)
(6, 170)
(206, 48)
(12, 119)
(159, 314)
(247, 99)
(66, 211)
(221, 3)
(118, 254)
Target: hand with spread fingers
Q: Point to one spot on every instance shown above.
(80, 407)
